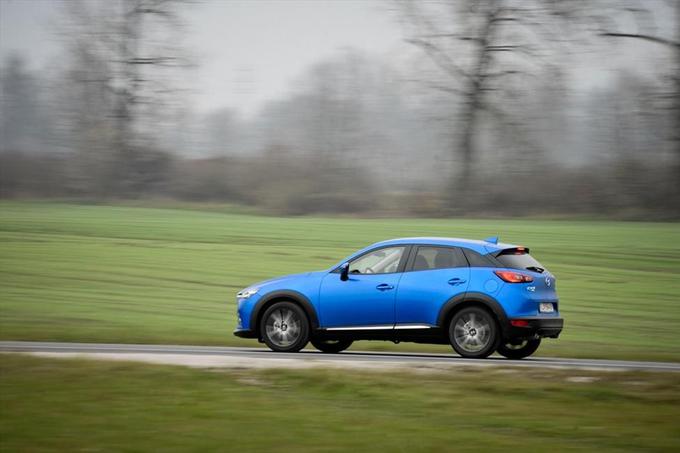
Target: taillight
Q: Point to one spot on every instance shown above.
(514, 277)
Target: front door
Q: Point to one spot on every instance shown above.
(367, 298)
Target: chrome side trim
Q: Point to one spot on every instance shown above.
(413, 326)
(387, 327)
(384, 327)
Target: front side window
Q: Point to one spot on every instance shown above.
(429, 258)
(383, 261)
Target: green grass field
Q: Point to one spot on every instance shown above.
(134, 274)
(68, 405)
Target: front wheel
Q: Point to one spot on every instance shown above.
(473, 333)
(331, 346)
(285, 327)
(519, 349)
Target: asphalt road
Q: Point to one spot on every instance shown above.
(412, 359)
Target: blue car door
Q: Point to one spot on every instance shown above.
(433, 276)
(367, 297)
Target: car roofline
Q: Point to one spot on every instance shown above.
(479, 246)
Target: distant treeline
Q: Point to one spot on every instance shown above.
(290, 185)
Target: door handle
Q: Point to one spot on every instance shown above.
(384, 287)
(456, 281)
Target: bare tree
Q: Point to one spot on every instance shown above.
(643, 27)
(126, 51)
(24, 125)
(482, 48)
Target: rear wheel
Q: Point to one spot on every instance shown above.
(331, 346)
(285, 327)
(473, 333)
(519, 349)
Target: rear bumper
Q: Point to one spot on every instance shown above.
(536, 327)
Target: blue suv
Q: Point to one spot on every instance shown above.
(479, 296)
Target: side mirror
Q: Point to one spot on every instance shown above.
(344, 272)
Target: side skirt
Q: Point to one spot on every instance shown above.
(415, 333)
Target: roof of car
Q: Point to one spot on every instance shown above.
(478, 246)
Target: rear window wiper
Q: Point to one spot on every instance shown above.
(535, 269)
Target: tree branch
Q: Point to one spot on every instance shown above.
(503, 73)
(439, 57)
(655, 39)
(450, 90)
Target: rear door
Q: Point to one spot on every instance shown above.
(433, 275)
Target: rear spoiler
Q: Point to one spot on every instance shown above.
(519, 250)
(511, 250)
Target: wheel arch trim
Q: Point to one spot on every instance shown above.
(288, 295)
(471, 298)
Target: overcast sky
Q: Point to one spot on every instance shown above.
(249, 52)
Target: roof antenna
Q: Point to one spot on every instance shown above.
(492, 239)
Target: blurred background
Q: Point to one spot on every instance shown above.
(402, 108)
(158, 156)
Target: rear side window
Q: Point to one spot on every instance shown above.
(477, 260)
(519, 258)
(428, 258)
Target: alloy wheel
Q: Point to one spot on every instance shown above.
(472, 332)
(283, 327)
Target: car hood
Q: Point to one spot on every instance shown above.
(282, 279)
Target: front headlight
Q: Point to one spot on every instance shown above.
(246, 293)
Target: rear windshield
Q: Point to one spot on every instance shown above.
(519, 259)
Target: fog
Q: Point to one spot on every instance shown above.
(374, 108)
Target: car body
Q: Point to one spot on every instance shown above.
(411, 289)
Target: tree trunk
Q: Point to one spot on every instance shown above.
(676, 112)
(464, 179)
(125, 165)
(466, 147)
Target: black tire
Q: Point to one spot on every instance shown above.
(518, 349)
(331, 346)
(284, 327)
(473, 333)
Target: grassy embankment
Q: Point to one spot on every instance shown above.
(122, 274)
(69, 405)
